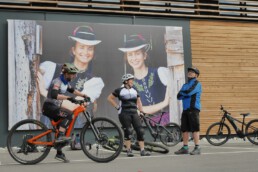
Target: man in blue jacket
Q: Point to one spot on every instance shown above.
(190, 94)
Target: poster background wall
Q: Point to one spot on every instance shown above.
(75, 17)
(108, 62)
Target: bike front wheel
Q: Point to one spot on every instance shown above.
(171, 134)
(251, 131)
(218, 134)
(101, 140)
(22, 151)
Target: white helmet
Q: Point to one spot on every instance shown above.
(127, 77)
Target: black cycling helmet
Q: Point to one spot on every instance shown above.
(195, 70)
(69, 68)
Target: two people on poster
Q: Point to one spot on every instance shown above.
(152, 83)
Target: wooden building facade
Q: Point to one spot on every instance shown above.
(226, 53)
(223, 45)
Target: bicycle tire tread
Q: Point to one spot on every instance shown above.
(14, 128)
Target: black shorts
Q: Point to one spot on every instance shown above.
(190, 121)
(54, 112)
(128, 119)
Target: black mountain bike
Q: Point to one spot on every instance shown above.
(169, 135)
(219, 132)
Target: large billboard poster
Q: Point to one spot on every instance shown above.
(102, 53)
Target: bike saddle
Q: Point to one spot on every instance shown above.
(245, 114)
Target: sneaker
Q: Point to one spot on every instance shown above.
(77, 146)
(61, 157)
(196, 151)
(145, 153)
(62, 139)
(130, 153)
(182, 151)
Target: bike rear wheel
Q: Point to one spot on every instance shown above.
(152, 147)
(251, 131)
(95, 141)
(172, 135)
(218, 134)
(22, 151)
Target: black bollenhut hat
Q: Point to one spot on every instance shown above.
(135, 42)
(84, 35)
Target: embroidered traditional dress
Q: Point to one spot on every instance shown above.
(150, 88)
(152, 91)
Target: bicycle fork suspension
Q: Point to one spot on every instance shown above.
(220, 131)
(95, 131)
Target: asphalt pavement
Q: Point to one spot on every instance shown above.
(234, 156)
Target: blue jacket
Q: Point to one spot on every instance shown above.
(190, 94)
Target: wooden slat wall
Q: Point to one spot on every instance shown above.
(215, 9)
(227, 55)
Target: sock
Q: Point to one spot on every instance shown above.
(142, 149)
(185, 147)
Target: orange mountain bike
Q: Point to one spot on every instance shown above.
(29, 141)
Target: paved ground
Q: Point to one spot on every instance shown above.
(234, 156)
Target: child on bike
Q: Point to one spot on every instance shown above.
(129, 102)
(56, 105)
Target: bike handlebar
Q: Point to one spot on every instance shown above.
(142, 114)
(82, 102)
(222, 109)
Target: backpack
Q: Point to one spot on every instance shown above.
(75, 142)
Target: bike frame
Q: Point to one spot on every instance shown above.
(232, 120)
(157, 125)
(76, 113)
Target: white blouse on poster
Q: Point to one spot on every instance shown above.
(91, 87)
(163, 73)
(48, 70)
